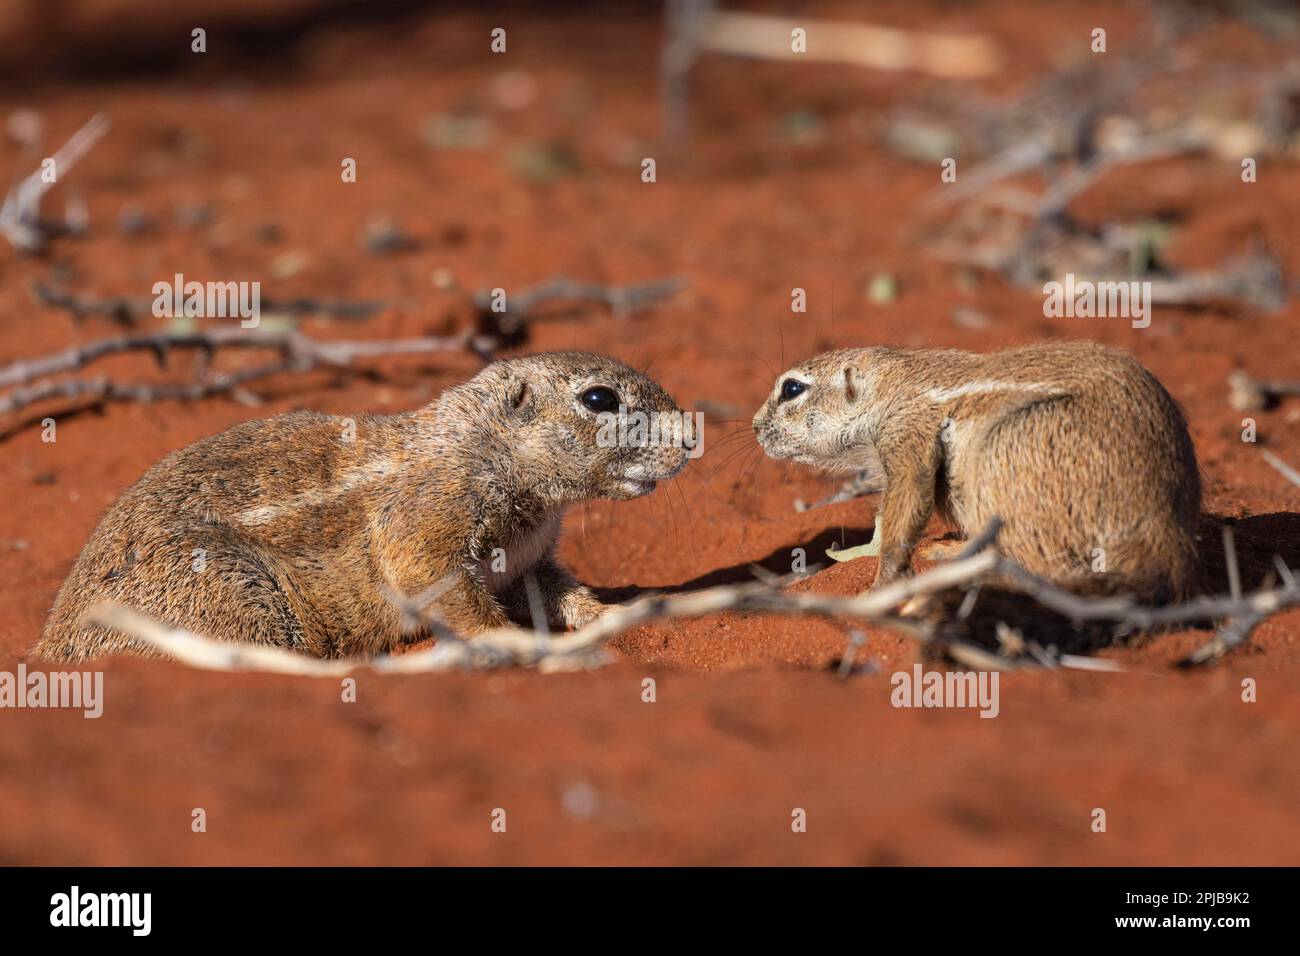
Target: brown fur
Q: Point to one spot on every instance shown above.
(1075, 446)
(307, 536)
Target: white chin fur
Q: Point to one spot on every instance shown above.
(635, 489)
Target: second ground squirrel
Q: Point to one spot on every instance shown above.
(1076, 447)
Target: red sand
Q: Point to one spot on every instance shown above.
(751, 720)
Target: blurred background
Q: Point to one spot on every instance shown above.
(775, 171)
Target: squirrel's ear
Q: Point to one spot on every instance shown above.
(518, 394)
(852, 383)
(512, 390)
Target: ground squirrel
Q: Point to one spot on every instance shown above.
(298, 531)
(1076, 447)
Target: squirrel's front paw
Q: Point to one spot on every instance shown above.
(892, 568)
(580, 607)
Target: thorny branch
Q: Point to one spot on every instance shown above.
(105, 390)
(127, 311)
(503, 317)
(1072, 129)
(298, 353)
(500, 316)
(292, 344)
(584, 647)
(515, 646)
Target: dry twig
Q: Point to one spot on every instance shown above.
(859, 486)
(1073, 128)
(695, 27)
(583, 647)
(502, 317)
(518, 647)
(1285, 470)
(20, 216)
(127, 311)
(1249, 394)
(298, 353)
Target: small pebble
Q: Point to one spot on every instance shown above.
(133, 221)
(382, 236)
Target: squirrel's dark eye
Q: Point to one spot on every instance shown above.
(792, 388)
(600, 399)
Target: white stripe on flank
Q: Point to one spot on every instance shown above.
(349, 481)
(983, 388)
